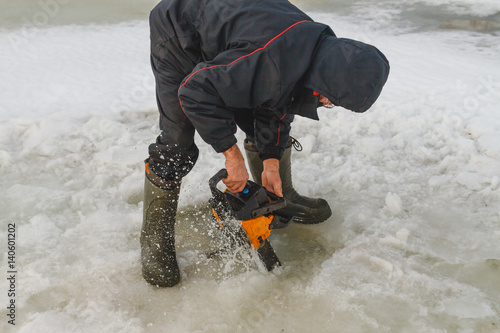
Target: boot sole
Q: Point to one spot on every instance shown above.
(316, 220)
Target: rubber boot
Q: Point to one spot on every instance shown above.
(303, 209)
(159, 263)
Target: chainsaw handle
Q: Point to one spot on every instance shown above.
(223, 174)
(271, 195)
(216, 179)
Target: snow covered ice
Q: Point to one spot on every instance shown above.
(414, 241)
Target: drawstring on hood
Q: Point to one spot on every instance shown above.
(349, 73)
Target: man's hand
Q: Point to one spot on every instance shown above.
(271, 176)
(237, 174)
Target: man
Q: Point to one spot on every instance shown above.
(220, 64)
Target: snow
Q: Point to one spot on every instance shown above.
(412, 246)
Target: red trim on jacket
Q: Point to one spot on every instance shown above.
(247, 55)
(232, 62)
(279, 130)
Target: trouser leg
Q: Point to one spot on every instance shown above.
(171, 157)
(174, 153)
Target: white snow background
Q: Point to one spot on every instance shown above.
(412, 246)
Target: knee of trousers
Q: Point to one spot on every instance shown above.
(172, 162)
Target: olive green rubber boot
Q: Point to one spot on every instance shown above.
(159, 264)
(303, 209)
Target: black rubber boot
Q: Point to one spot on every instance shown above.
(159, 264)
(303, 209)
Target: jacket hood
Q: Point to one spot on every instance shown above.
(349, 73)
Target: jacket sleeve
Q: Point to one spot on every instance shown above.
(235, 79)
(272, 129)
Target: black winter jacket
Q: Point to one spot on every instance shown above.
(264, 55)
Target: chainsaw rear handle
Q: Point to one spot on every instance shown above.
(215, 180)
(212, 183)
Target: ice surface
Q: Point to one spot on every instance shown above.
(412, 246)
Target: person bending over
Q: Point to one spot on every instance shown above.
(251, 64)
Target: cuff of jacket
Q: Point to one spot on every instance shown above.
(224, 144)
(274, 152)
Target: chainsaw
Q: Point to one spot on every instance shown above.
(248, 217)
